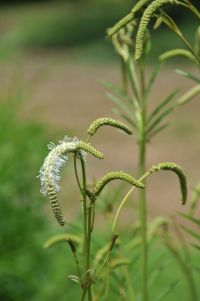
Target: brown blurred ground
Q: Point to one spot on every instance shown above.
(67, 96)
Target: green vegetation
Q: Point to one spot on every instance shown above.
(148, 260)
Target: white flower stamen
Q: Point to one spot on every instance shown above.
(49, 173)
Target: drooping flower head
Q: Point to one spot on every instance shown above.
(49, 173)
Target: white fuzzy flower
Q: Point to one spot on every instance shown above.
(49, 173)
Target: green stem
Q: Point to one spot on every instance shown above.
(87, 219)
(84, 195)
(83, 294)
(130, 291)
(124, 76)
(76, 173)
(142, 205)
(90, 217)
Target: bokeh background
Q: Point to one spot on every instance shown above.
(53, 55)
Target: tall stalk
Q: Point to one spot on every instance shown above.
(142, 198)
(87, 234)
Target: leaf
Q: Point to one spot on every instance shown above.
(195, 199)
(191, 232)
(197, 42)
(189, 95)
(159, 119)
(61, 238)
(188, 75)
(196, 268)
(167, 20)
(101, 253)
(125, 117)
(133, 78)
(157, 130)
(165, 102)
(116, 90)
(155, 225)
(168, 290)
(151, 81)
(156, 272)
(196, 246)
(120, 103)
(74, 278)
(177, 52)
(193, 9)
(118, 262)
(190, 218)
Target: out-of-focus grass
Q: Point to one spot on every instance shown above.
(25, 269)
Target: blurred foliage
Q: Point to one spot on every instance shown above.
(59, 25)
(23, 262)
(80, 26)
(20, 202)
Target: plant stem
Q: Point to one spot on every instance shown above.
(90, 208)
(87, 232)
(84, 206)
(124, 76)
(142, 205)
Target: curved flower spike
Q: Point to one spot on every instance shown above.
(49, 173)
(123, 22)
(61, 238)
(127, 19)
(180, 173)
(148, 13)
(55, 205)
(116, 175)
(108, 121)
(89, 149)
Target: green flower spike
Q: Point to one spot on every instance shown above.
(55, 205)
(110, 122)
(89, 149)
(148, 13)
(180, 173)
(117, 175)
(128, 18)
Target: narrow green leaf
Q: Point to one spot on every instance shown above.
(125, 117)
(120, 103)
(61, 238)
(165, 102)
(157, 130)
(188, 75)
(177, 52)
(167, 20)
(191, 232)
(196, 246)
(116, 90)
(190, 218)
(133, 78)
(118, 262)
(151, 81)
(168, 290)
(189, 95)
(193, 9)
(159, 119)
(196, 269)
(157, 272)
(197, 42)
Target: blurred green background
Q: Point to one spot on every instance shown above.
(51, 55)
